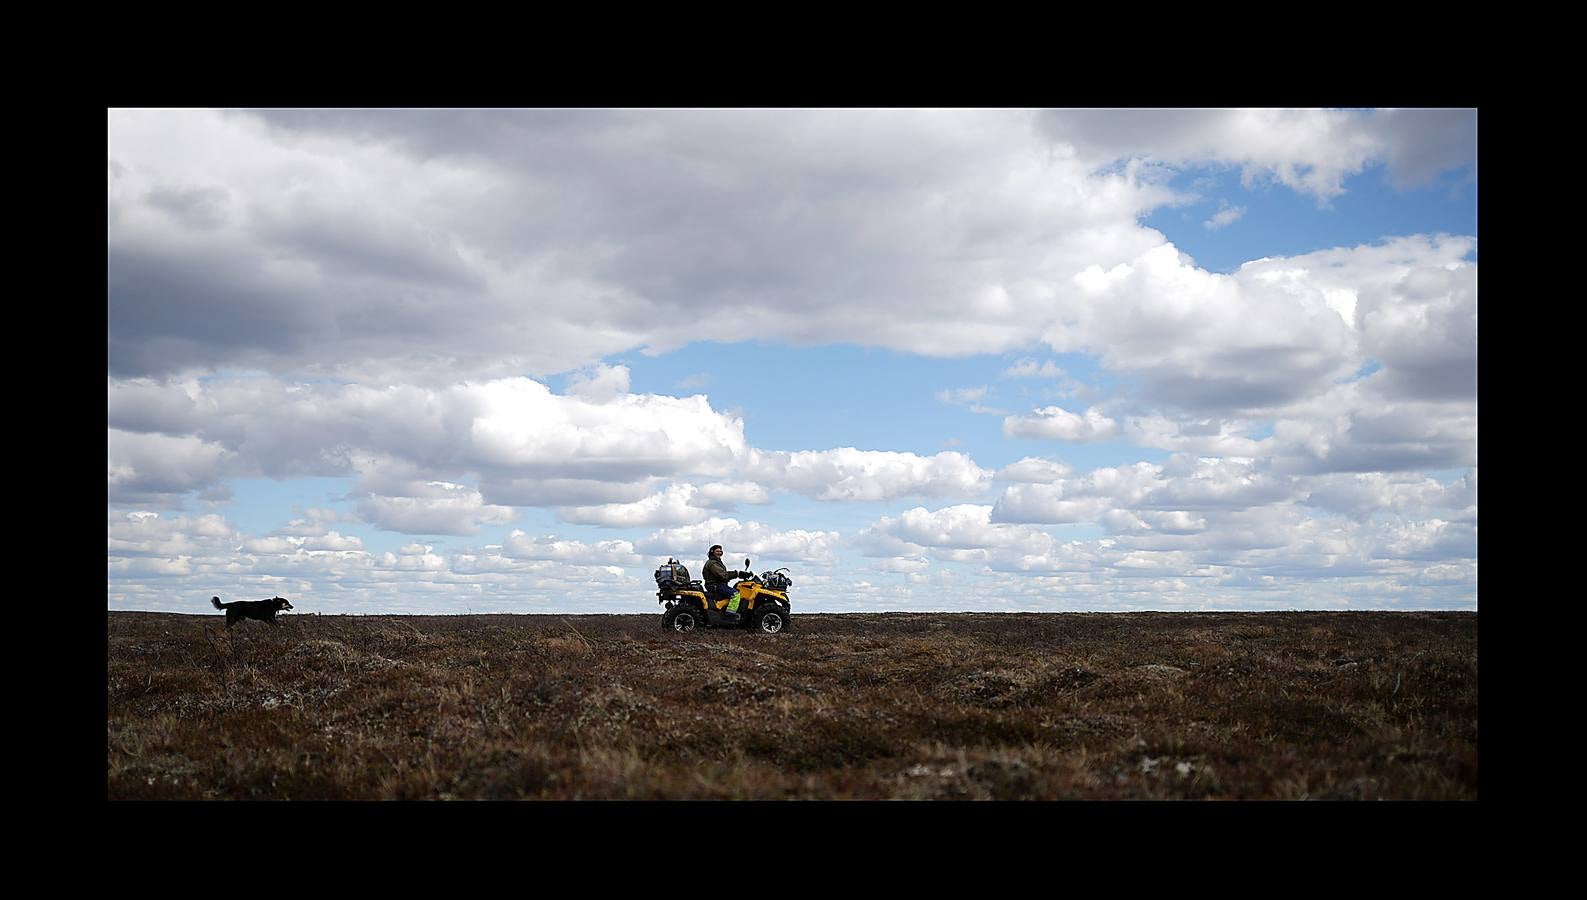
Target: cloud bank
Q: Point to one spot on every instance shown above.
(386, 295)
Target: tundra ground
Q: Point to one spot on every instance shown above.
(1026, 706)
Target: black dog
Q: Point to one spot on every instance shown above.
(263, 610)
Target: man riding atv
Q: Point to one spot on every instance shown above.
(716, 576)
(759, 602)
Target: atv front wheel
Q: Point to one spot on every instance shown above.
(679, 619)
(772, 621)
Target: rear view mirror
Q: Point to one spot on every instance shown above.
(746, 563)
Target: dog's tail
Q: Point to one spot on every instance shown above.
(218, 604)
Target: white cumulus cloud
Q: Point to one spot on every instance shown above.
(437, 507)
(519, 545)
(156, 467)
(850, 474)
(739, 539)
(1224, 217)
(1311, 151)
(1058, 423)
(673, 506)
(1035, 470)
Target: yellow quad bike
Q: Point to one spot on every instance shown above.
(762, 601)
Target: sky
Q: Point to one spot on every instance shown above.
(510, 361)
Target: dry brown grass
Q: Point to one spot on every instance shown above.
(1361, 705)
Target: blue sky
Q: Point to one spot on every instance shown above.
(1275, 221)
(448, 361)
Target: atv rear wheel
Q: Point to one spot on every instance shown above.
(680, 619)
(771, 621)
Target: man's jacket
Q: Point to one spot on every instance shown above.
(716, 573)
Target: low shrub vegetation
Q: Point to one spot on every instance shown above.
(1015, 706)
